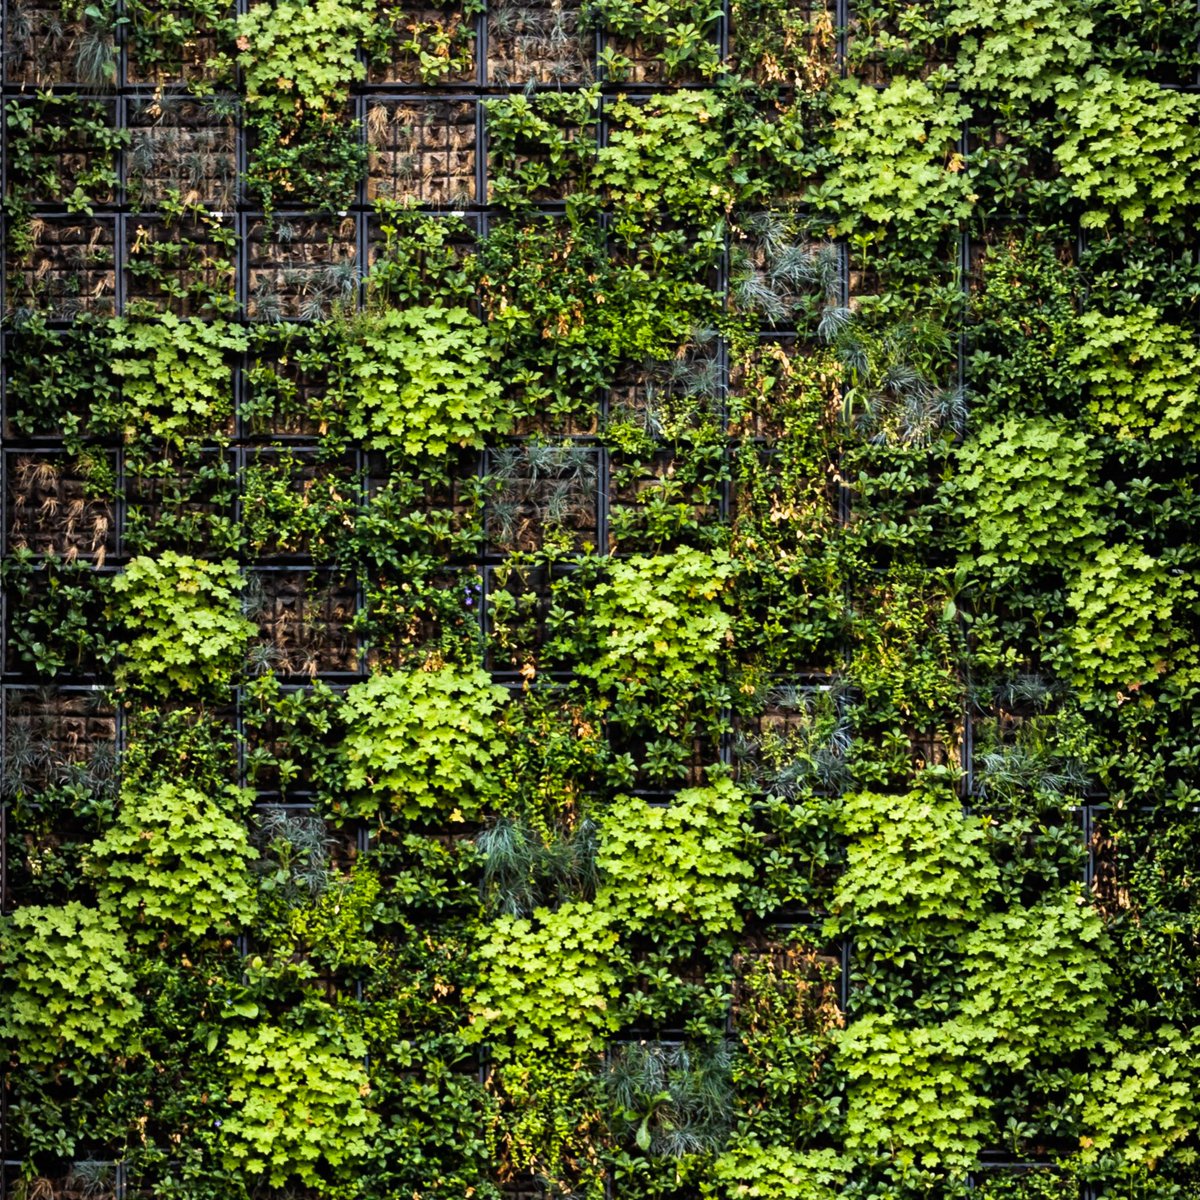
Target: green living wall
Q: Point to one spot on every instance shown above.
(600, 600)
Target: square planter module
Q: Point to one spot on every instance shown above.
(55, 505)
(52, 379)
(305, 621)
(181, 504)
(539, 42)
(285, 384)
(166, 46)
(429, 44)
(186, 265)
(298, 482)
(540, 490)
(68, 269)
(300, 266)
(64, 151)
(422, 150)
(182, 146)
(44, 48)
(796, 48)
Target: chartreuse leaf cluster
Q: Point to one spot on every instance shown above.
(69, 984)
(662, 620)
(418, 381)
(1141, 1102)
(678, 866)
(1028, 491)
(1127, 604)
(1130, 150)
(182, 623)
(422, 743)
(1037, 981)
(1024, 51)
(176, 378)
(915, 864)
(550, 983)
(896, 156)
(177, 857)
(757, 1172)
(1143, 374)
(915, 1093)
(300, 1105)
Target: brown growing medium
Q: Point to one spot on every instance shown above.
(44, 48)
(178, 265)
(1109, 890)
(539, 42)
(52, 510)
(422, 150)
(771, 976)
(441, 34)
(192, 62)
(304, 621)
(301, 267)
(544, 490)
(181, 147)
(51, 731)
(804, 53)
(70, 269)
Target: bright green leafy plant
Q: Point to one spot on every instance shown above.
(896, 156)
(422, 743)
(915, 863)
(419, 381)
(1125, 602)
(300, 1105)
(1130, 150)
(176, 378)
(183, 623)
(550, 983)
(679, 867)
(1142, 1100)
(177, 857)
(1029, 490)
(1143, 372)
(1023, 50)
(1037, 982)
(914, 1096)
(662, 619)
(758, 1172)
(69, 984)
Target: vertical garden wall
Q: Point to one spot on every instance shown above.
(600, 600)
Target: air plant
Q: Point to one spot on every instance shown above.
(894, 397)
(524, 869)
(554, 486)
(93, 1180)
(677, 392)
(296, 858)
(1018, 770)
(265, 300)
(42, 753)
(807, 747)
(1021, 756)
(675, 1100)
(1023, 691)
(547, 36)
(95, 54)
(787, 278)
